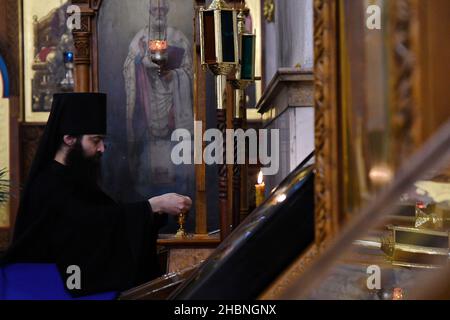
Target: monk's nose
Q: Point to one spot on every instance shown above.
(101, 147)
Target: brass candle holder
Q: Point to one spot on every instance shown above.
(181, 233)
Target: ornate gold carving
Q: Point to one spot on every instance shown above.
(269, 10)
(320, 129)
(388, 244)
(403, 63)
(221, 68)
(323, 117)
(218, 5)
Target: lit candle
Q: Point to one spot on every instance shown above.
(260, 190)
(397, 294)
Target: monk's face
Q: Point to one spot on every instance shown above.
(93, 145)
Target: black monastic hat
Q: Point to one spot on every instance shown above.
(80, 113)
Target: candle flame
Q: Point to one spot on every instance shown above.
(260, 177)
(398, 294)
(158, 45)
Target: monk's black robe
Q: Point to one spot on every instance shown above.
(68, 222)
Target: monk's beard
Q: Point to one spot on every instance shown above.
(85, 169)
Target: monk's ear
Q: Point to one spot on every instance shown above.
(69, 140)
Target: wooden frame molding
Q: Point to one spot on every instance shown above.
(405, 116)
(326, 120)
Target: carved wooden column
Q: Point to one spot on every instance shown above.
(85, 53)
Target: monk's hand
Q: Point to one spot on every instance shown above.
(171, 203)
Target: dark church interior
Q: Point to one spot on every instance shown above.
(245, 150)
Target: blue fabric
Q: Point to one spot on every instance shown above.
(38, 282)
(4, 76)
